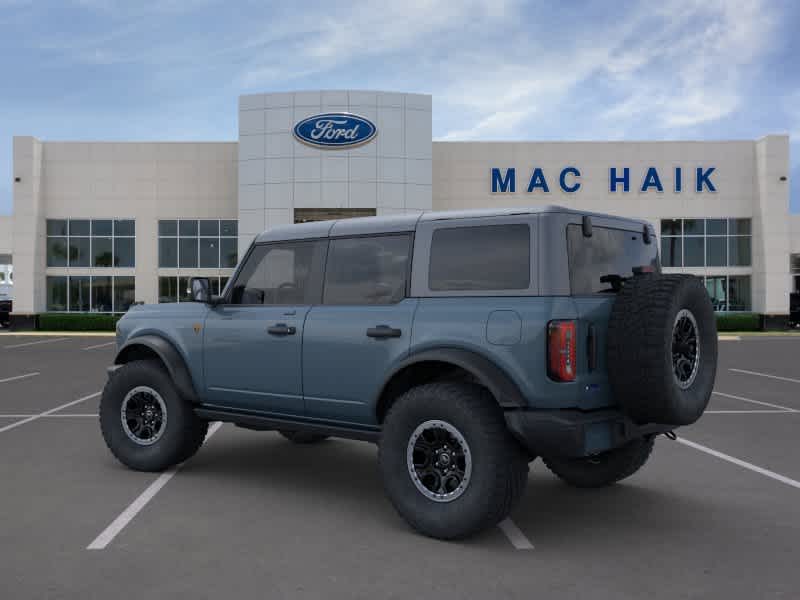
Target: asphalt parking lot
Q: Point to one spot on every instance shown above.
(714, 515)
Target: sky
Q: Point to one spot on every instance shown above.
(497, 69)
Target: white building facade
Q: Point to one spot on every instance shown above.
(98, 225)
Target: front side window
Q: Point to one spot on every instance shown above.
(284, 273)
(367, 270)
(486, 257)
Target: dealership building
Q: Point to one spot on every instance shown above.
(98, 225)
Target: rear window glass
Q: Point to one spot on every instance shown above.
(607, 252)
(487, 257)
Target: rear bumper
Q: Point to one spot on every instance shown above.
(574, 433)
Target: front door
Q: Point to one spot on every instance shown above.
(362, 327)
(253, 341)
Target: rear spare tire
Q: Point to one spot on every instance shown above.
(662, 349)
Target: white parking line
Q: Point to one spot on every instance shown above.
(34, 343)
(99, 346)
(760, 402)
(765, 375)
(48, 413)
(7, 379)
(750, 412)
(515, 535)
(55, 416)
(125, 517)
(741, 463)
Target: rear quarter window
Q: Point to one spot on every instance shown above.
(607, 252)
(483, 257)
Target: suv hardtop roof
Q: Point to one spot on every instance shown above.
(403, 223)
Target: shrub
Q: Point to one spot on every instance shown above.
(77, 322)
(738, 322)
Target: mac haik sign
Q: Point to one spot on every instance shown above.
(620, 179)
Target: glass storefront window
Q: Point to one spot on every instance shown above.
(56, 252)
(739, 293)
(79, 294)
(124, 292)
(716, 252)
(693, 252)
(102, 294)
(176, 289)
(193, 243)
(729, 292)
(739, 251)
(706, 243)
(91, 243)
(84, 293)
(57, 293)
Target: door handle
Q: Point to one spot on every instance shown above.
(281, 329)
(383, 331)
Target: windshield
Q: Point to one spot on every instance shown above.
(597, 263)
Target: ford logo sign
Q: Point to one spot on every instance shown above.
(335, 130)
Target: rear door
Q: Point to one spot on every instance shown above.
(362, 326)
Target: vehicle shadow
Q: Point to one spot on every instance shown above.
(345, 475)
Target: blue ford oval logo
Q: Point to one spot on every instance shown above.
(335, 130)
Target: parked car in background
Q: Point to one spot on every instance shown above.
(6, 294)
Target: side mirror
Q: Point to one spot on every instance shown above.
(200, 289)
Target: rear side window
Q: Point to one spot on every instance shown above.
(367, 270)
(285, 273)
(607, 252)
(486, 257)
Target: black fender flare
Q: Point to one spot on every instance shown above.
(495, 379)
(169, 355)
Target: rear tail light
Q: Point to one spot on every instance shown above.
(561, 350)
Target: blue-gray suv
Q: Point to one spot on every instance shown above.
(465, 344)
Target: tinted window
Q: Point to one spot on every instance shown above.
(607, 252)
(281, 274)
(367, 270)
(671, 252)
(693, 252)
(488, 257)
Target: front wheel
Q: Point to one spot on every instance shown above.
(449, 465)
(602, 469)
(144, 421)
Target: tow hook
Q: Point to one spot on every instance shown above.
(671, 435)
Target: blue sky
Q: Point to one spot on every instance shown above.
(172, 69)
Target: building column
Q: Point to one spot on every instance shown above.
(771, 281)
(29, 239)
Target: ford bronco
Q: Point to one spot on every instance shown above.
(465, 344)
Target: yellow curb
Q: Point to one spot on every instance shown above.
(60, 333)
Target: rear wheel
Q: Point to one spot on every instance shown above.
(449, 465)
(302, 437)
(602, 469)
(144, 421)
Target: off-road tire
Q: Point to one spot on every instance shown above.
(499, 465)
(302, 437)
(603, 469)
(640, 349)
(183, 434)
